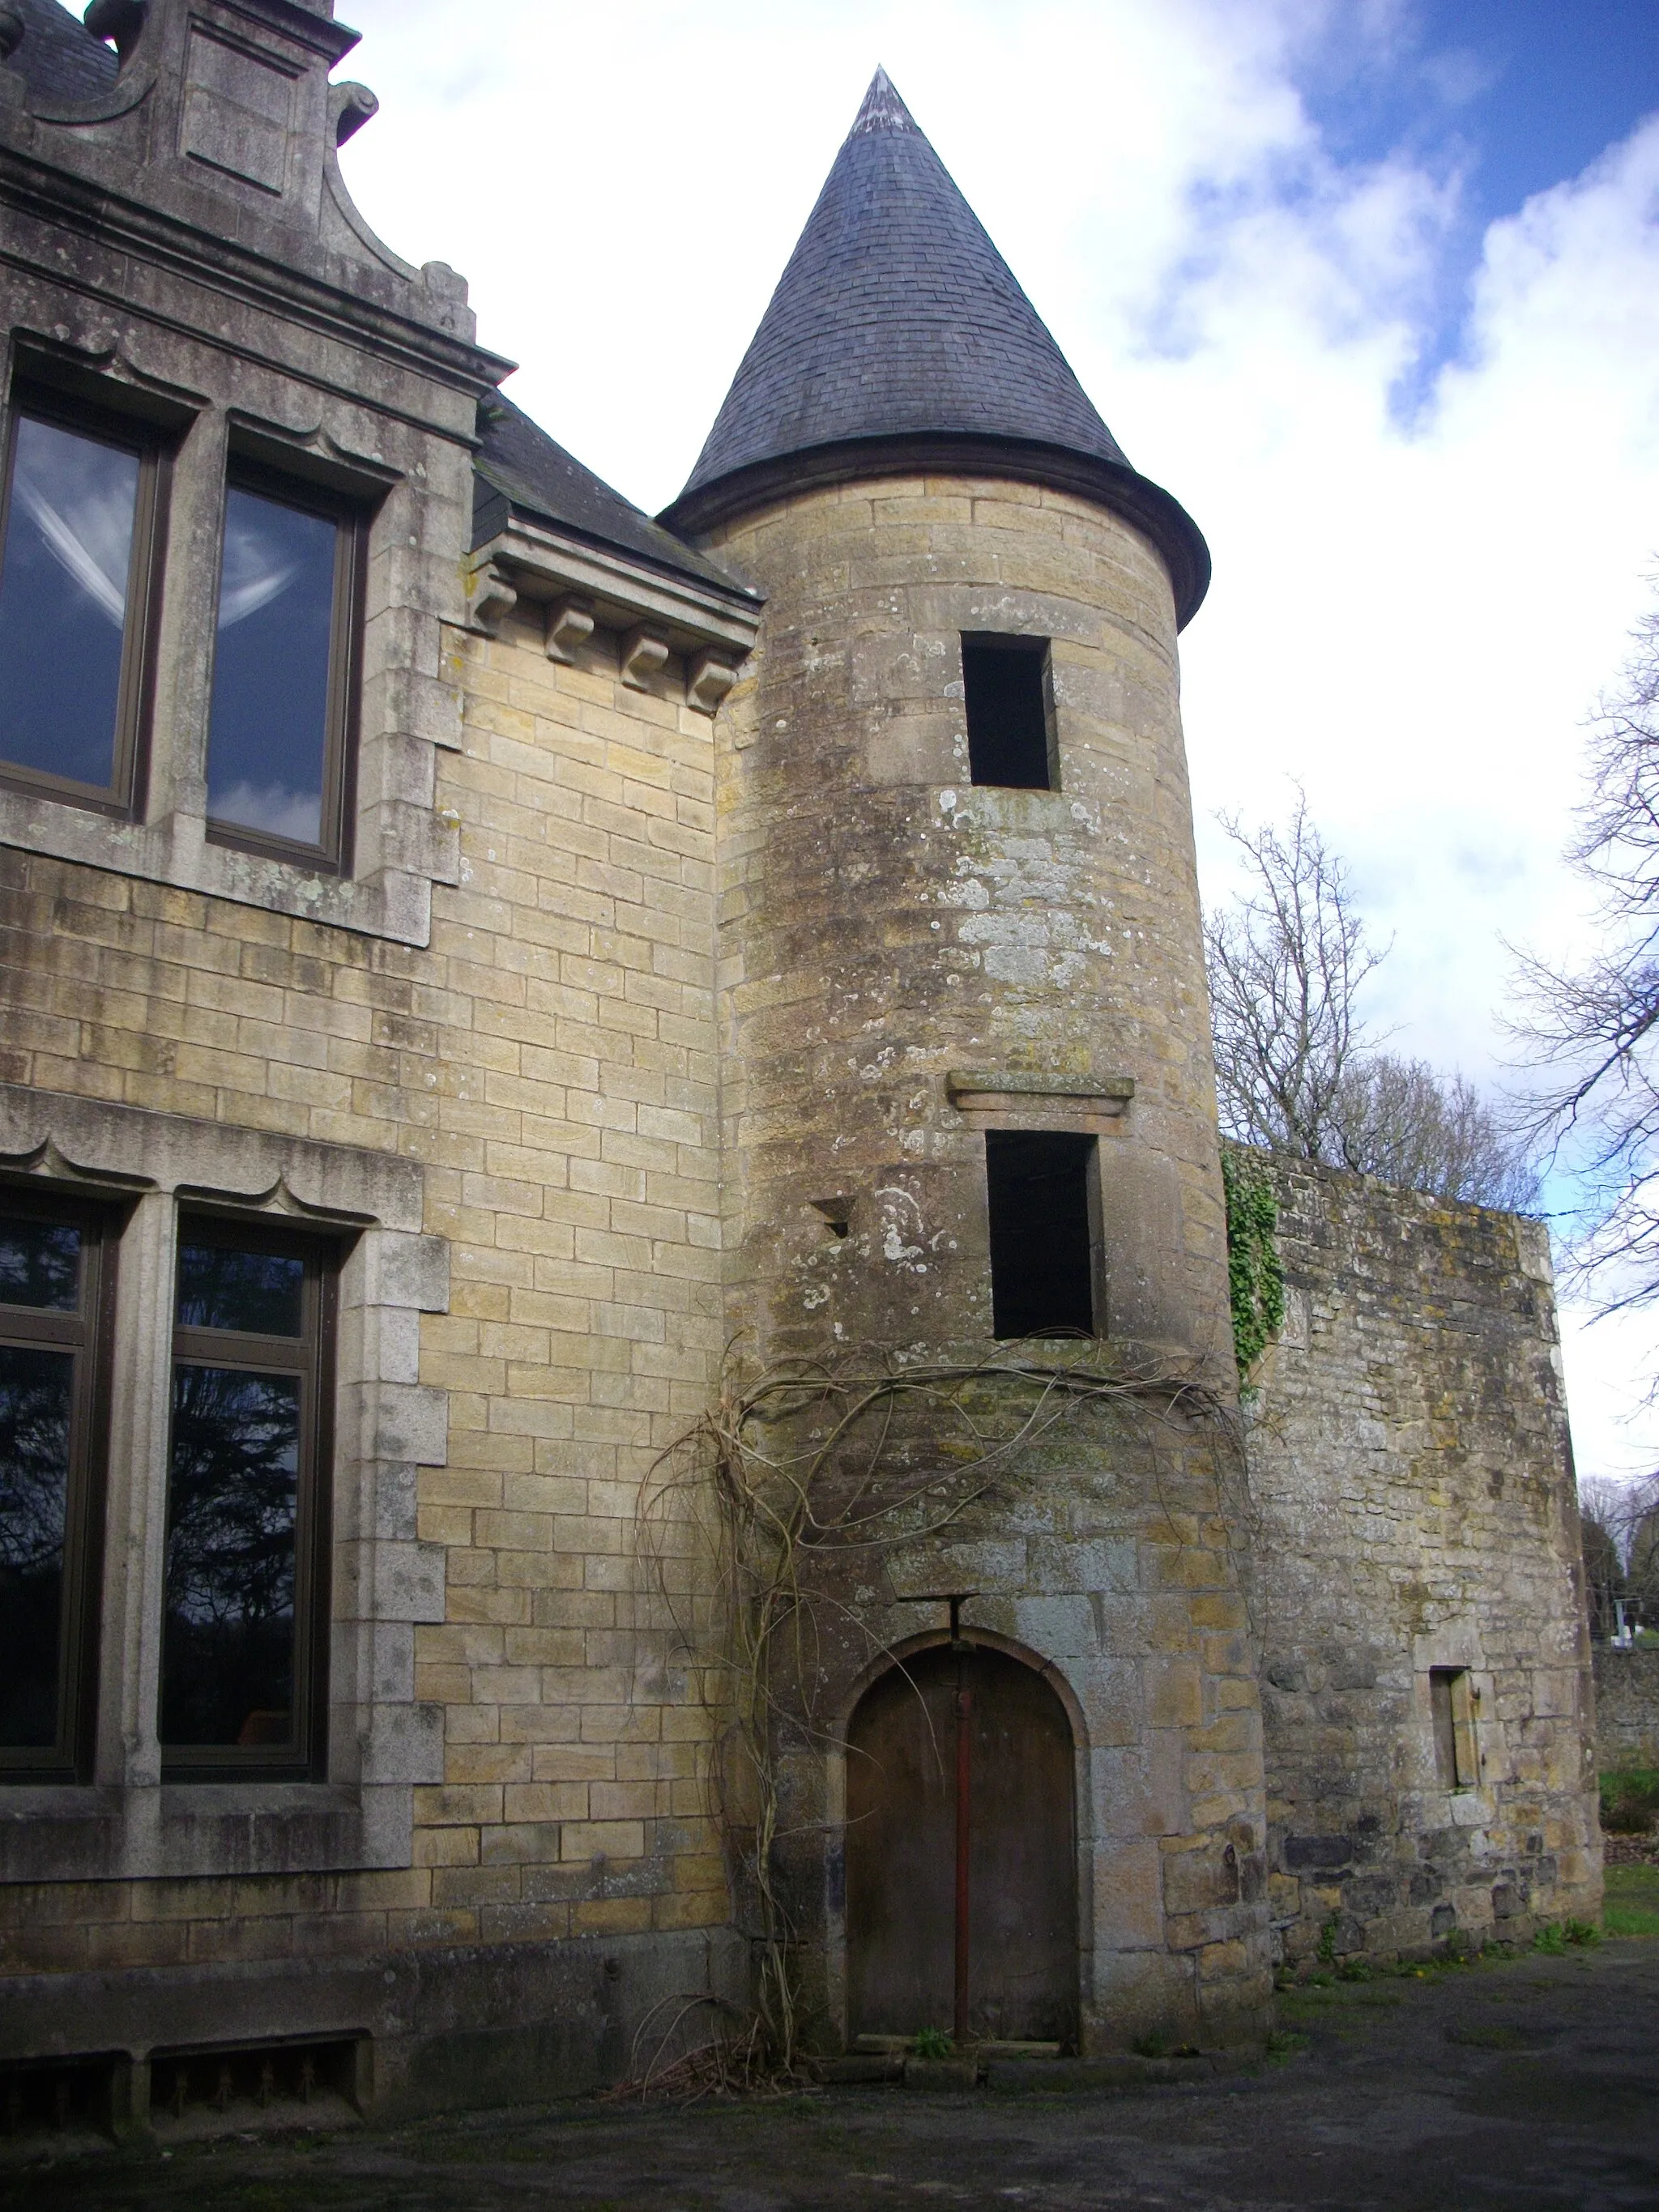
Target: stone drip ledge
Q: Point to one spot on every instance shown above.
(986, 1097)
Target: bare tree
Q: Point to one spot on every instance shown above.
(1400, 1120)
(1285, 965)
(1593, 1032)
(1620, 1523)
(1296, 1069)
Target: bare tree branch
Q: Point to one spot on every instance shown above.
(1285, 965)
(1593, 1032)
(1296, 1069)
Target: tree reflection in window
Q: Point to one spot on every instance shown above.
(50, 1298)
(40, 1264)
(257, 1292)
(240, 1661)
(228, 1668)
(37, 1395)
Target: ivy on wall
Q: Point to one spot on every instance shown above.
(1255, 1275)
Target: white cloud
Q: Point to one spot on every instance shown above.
(1412, 620)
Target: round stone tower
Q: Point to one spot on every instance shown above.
(969, 1109)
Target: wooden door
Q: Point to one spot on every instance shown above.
(916, 1809)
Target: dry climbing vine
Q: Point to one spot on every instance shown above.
(798, 1469)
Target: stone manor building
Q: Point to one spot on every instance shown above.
(528, 1031)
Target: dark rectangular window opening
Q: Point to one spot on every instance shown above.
(1010, 727)
(82, 498)
(56, 1271)
(1451, 1704)
(282, 722)
(1044, 1237)
(244, 1644)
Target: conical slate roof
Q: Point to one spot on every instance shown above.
(899, 331)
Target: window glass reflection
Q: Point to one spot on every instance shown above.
(228, 1643)
(40, 1264)
(64, 578)
(36, 1393)
(258, 1291)
(268, 736)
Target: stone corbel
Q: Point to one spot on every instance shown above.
(491, 599)
(569, 625)
(349, 106)
(643, 654)
(709, 677)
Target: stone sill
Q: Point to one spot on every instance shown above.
(62, 1832)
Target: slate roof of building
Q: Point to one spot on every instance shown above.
(58, 58)
(519, 466)
(896, 318)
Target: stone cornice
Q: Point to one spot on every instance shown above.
(534, 561)
(1151, 510)
(59, 198)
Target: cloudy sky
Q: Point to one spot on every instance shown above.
(1372, 285)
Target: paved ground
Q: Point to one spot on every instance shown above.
(1531, 2083)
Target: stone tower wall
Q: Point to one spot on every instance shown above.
(885, 922)
(886, 926)
(1413, 1509)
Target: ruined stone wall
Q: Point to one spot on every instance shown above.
(884, 924)
(1627, 1707)
(1413, 1509)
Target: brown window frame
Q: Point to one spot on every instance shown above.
(87, 1333)
(332, 853)
(312, 1356)
(124, 796)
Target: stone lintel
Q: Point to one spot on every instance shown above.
(980, 1089)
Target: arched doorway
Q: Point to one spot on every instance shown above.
(961, 1852)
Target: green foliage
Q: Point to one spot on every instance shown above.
(1554, 1938)
(934, 2043)
(1256, 1276)
(1630, 1800)
(1327, 1936)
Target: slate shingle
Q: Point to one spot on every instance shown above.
(519, 466)
(897, 315)
(898, 334)
(57, 58)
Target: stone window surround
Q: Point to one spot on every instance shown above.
(381, 1743)
(1457, 1644)
(209, 405)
